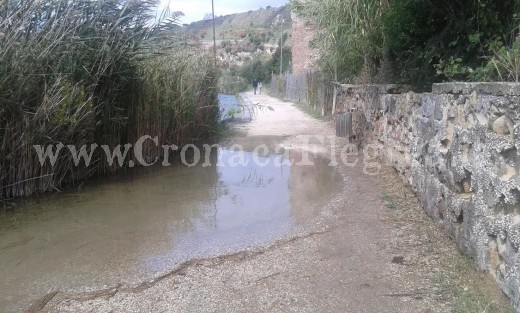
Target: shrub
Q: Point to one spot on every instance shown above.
(445, 40)
(418, 42)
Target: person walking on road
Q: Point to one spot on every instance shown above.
(260, 87)
(255, 85)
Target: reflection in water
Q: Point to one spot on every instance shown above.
(227, 104)
(129, 229)
(251, 206)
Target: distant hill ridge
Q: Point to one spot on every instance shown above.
(263, 24)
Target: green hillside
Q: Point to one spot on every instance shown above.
(248, 44)
(260, 25)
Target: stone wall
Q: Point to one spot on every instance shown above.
(459, 148)
(303, 57)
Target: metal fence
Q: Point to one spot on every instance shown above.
(344, 125)
(309, 88)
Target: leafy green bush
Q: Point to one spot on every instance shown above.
(418, 42)
(262, 69)
(445, 40)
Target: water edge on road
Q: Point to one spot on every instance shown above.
(136, 226)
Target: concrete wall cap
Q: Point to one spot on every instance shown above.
(495, 89)
(381, 88)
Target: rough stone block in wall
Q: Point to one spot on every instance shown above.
(459, 148)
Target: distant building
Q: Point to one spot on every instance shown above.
(303, 56)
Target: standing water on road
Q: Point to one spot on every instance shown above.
(228, 106)
(131, 228)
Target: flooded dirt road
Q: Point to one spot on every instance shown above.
(138, 226)
(242, 239)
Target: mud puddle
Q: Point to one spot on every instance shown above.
(131, 228)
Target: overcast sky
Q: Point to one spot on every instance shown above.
(194, 10)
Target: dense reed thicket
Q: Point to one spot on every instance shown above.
(415, 41)
(79, 72)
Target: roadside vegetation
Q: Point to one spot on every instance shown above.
(416, 42)
(79, 72)
(263, 67)
(248, 45)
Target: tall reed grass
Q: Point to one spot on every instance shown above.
(346, 32)
(79, 72)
